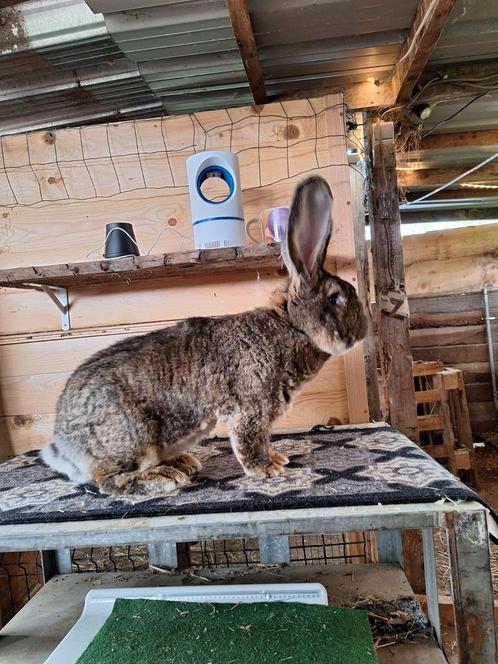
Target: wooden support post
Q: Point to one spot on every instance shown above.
(448, 433)
(163, 554)
(392, 308)
(388, 264)
(390, 547)
(344, 250)
(431, 581)
(274, 550)
(363, 287)
(63, 563)
(472, 588)
(460, 413)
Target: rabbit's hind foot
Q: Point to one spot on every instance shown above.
(186, 463)
(157, 481)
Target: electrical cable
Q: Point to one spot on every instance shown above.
(441, 122)
(457, 179)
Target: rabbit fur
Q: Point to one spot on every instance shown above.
(128, 415)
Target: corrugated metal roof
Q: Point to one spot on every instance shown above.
(482, 114)
(77, 61)
(186, 51)
(470, 34)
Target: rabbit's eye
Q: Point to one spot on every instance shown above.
(333, 298)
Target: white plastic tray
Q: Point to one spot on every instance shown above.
(99, 605)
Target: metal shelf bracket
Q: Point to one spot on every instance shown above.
(60, 298)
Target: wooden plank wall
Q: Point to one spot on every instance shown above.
(59, 189)
(451, 328)
(451, 261)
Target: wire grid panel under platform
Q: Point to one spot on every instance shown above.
(304, 550)
(21, 576)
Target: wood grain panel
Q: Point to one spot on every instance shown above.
(448, 336)
(135, 172)
(452, 354)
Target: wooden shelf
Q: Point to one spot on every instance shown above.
(33, 633)
(140, 268)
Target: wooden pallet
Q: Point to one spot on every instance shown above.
(443, 418)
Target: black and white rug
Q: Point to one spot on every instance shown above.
(328, 467)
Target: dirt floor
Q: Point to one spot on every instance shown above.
(487, 461)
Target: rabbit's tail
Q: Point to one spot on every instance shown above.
(53, 456)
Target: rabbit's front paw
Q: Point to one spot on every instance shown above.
(278, 458)
(271, 469)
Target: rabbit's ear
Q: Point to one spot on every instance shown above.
(308, 231)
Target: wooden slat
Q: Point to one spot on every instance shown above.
(448, 336)
(141, 268)
(463, 460)
(423, 368)
(427, 396)
(484, 410)
(430, 423)
(460, 139)
(446, 245)
(435, 177)
(473, 271)
(445, 413)
(446, 608)
(437, 451)
(458, 214)
(479, 392)
(153, 301)
(457, 318)
(447, 303)
(244, 35)
(453, 354)
(454, 194)
(420, 43)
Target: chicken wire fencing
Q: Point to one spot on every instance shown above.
(21, 576)
(304, 550)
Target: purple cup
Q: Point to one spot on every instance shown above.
(278, 219)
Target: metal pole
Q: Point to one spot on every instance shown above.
(489, 318)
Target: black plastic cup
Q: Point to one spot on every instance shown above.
(118, 244)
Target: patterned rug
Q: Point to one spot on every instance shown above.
(328, 467)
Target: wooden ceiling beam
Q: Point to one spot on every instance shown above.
(357, 96)
(417, 49)
(435, 177)
(461, 214)
(460, 139)
(456, 194)
(244, 35)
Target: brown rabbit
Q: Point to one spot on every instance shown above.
(128, 414)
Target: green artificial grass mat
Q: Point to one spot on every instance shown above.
(156, 632)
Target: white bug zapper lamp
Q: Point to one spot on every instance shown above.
(216, 223)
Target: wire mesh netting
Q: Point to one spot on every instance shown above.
(103, 161)
(21, 576)
(304, 550)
